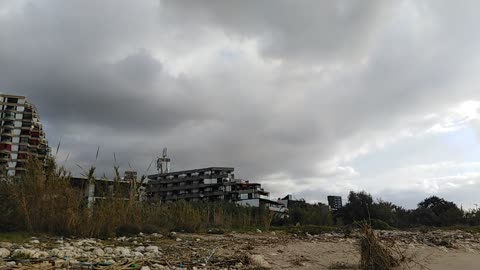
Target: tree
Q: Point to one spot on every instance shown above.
(357, 208)
(435, 211)
(310, 214)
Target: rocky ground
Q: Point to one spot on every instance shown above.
(273, 250)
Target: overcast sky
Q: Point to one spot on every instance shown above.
(306, 97)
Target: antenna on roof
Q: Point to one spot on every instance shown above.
(163, 163)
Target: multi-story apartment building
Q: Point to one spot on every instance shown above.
(335, 202)
(21, 134)
(208, 184)
(214, 183)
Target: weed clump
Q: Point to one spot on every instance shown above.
(374, 255)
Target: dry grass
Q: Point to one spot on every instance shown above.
(43, 201)
(374, 255)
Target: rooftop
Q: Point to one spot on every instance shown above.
(226, 169)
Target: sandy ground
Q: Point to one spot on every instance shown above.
(432, 250)
(308, 254)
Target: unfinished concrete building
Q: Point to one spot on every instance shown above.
(21, 134)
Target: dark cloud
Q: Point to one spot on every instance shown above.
(312, 31)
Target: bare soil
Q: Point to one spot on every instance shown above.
(433, 250)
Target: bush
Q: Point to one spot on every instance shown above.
(127, 230)
(150, 228)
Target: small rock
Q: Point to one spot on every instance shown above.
(151, 254)
(99, 252)
(444, 249)
(35, 241)
(59, 263)
(6, 245)
(4, 252)
(178, 239)
(40, 254)
(153, 249)
(145, 268)
(259, 261)
(122, 251)
(137, 254)
(259, 231)
(140, 249)
(23, 253)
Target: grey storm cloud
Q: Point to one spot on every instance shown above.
(328, 78)
(311, 31)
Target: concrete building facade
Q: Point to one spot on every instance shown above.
(335, 202)
(208, 184)
(21, 134)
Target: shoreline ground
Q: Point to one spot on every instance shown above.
(274, 250)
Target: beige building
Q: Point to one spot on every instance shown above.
(21, 134)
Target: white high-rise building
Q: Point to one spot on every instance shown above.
(21, 134)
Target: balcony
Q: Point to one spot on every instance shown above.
(26, 126)
(7, 131)
(6, 140)
(8, 116)
(5, 147)
(10, 108)
(8, 124)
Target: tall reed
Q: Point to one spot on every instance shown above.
(44, 201)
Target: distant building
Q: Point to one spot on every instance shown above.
(208, 184)
(21, 134)
(101, 189)
(130, 176)
(335, 202)
(289, 201)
